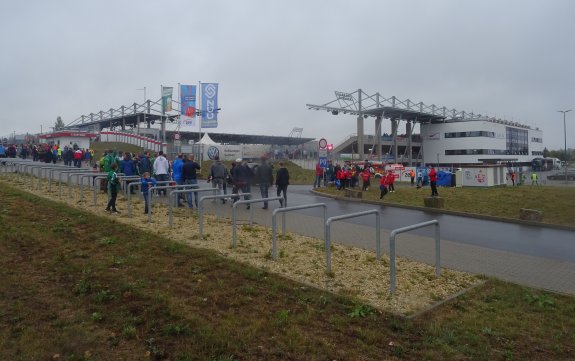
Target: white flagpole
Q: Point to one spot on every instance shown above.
(199, 116)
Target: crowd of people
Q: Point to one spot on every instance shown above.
(184, 170)
(71, 155)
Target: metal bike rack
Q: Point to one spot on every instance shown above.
(44, 170)
(347, 216)
(201, 208)
(183, 186)
(81, 182)
(75, 174)
(247, 201)
(283, 211)
(397, 231)
(170, 204)
(129, 195)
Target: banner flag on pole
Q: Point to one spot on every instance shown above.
(209, 105)
(167, 99)
(188, 105)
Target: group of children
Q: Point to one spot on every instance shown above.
(386, 184)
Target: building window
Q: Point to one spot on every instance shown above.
(475, 152)
(517, 141)
(477, 133)
(537, 140)
(536, 153)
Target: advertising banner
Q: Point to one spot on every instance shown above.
(209, 105)
(167, 98)
(188, 105)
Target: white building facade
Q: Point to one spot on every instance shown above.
(463, 142)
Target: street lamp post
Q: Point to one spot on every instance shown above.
(565, 132)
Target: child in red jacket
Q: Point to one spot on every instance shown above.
(382, 186)
(390, 180)
(365, 179)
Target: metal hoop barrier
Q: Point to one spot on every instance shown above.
(129, 195)
(77, 175)
(247, 201)
(43, 173)
(201, 208)
(151, 189)
(81, 181)
(171, 205)
(347, 216)
(283, 211)
(397, 231)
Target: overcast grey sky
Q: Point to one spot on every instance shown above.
(512, 59)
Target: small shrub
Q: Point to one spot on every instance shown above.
(281, 317)
(96, 316)
(361, 310)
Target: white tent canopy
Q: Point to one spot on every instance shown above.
(207, 140)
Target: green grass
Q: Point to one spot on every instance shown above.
(557, 203)
(103, 291)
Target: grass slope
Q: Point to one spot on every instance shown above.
(80, 287)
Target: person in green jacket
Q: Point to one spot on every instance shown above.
(113, 188)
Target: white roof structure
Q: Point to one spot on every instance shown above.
(207, 140)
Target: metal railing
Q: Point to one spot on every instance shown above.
(283, 211)
(176, 192)
(247, 201)
(201, 208)
(397, 231)
(347, 216)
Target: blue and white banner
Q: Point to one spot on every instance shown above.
(209, 105)
(188, 105)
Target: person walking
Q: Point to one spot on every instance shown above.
(177, 175)
(391, 181)
(162, 170)
(145, 183)
(218, 175)
(412, 176)
(190, 176)
(242, 175)
(534, 179)
(365, 175)
(382, 186)
(282, 182)
(113, 188)
(265, 177)
(433, 182)
(318, 175)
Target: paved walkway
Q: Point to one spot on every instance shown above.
(522, 269)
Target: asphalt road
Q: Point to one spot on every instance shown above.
(523, 239)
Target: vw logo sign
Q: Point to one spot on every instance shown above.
(213, 152)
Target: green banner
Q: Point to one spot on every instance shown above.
(167, 99)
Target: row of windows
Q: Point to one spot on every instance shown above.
(535, 152)
(484, 152)
(537, 140)
(477, 133)
(517, 140)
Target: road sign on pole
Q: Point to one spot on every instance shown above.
(322, 143)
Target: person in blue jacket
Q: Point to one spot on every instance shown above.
(146, 181)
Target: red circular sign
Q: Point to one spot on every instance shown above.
(177, 136)
(322, 143)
